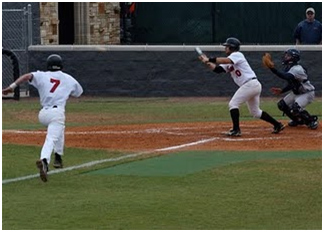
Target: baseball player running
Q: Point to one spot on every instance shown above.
(249, 90)
(302, 91)
(54, 88)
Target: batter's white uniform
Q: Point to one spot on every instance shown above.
(249, 87)
(54, 89)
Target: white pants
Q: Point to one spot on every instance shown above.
(54, 119)
(250, 93)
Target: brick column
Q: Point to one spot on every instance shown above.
(104, 22)
(49, 22)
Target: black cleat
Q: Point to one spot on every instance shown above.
(43, 169)
(278, 128)
(313, 125)
(234, 133)
(293, 123)
(58, 162)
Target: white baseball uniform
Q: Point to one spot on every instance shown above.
(54, 89)
(249, 87)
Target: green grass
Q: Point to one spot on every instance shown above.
(105, 111)
(188, 162)
(15, 156)
(246, 193)
(270, 194)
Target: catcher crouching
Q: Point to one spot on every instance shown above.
(302, 92)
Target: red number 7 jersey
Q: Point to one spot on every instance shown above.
(54, 88)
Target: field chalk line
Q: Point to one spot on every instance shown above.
(92, 163)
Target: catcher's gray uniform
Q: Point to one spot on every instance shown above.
(303, 92)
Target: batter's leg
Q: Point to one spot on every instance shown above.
(254, 108)
(237, 100)
(235, 115)
(277, 126)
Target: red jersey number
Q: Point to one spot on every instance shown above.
(56, 84)
(238, 73)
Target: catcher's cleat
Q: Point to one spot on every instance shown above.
(58, 162)
(278, 128)
(234, 133)
(43, 169)
(293, 123)
(313, 125)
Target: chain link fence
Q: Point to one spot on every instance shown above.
(16, 37)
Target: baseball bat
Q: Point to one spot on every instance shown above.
(199, 51)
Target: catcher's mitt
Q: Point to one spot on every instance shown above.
(267, 61)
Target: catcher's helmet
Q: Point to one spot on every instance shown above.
(233, 43)
(54, 63)
(291, 56)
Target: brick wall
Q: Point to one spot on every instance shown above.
(104, 23)
(49, 23)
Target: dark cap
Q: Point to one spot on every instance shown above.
(233, 43)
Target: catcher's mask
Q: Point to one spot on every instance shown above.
(291, 56)
(233, 44)
(54, 63)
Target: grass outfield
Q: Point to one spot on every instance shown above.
(227, 190)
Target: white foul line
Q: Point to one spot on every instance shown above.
(92, 163)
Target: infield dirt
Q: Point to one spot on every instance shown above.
(256, 135)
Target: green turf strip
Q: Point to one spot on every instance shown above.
(183, 163)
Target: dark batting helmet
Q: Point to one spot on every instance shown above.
(54, 63)
(291, 56)
(233, 43)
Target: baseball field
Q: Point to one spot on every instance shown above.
(161, 164)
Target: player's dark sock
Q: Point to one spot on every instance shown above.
(266, 117)
(235, 115)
